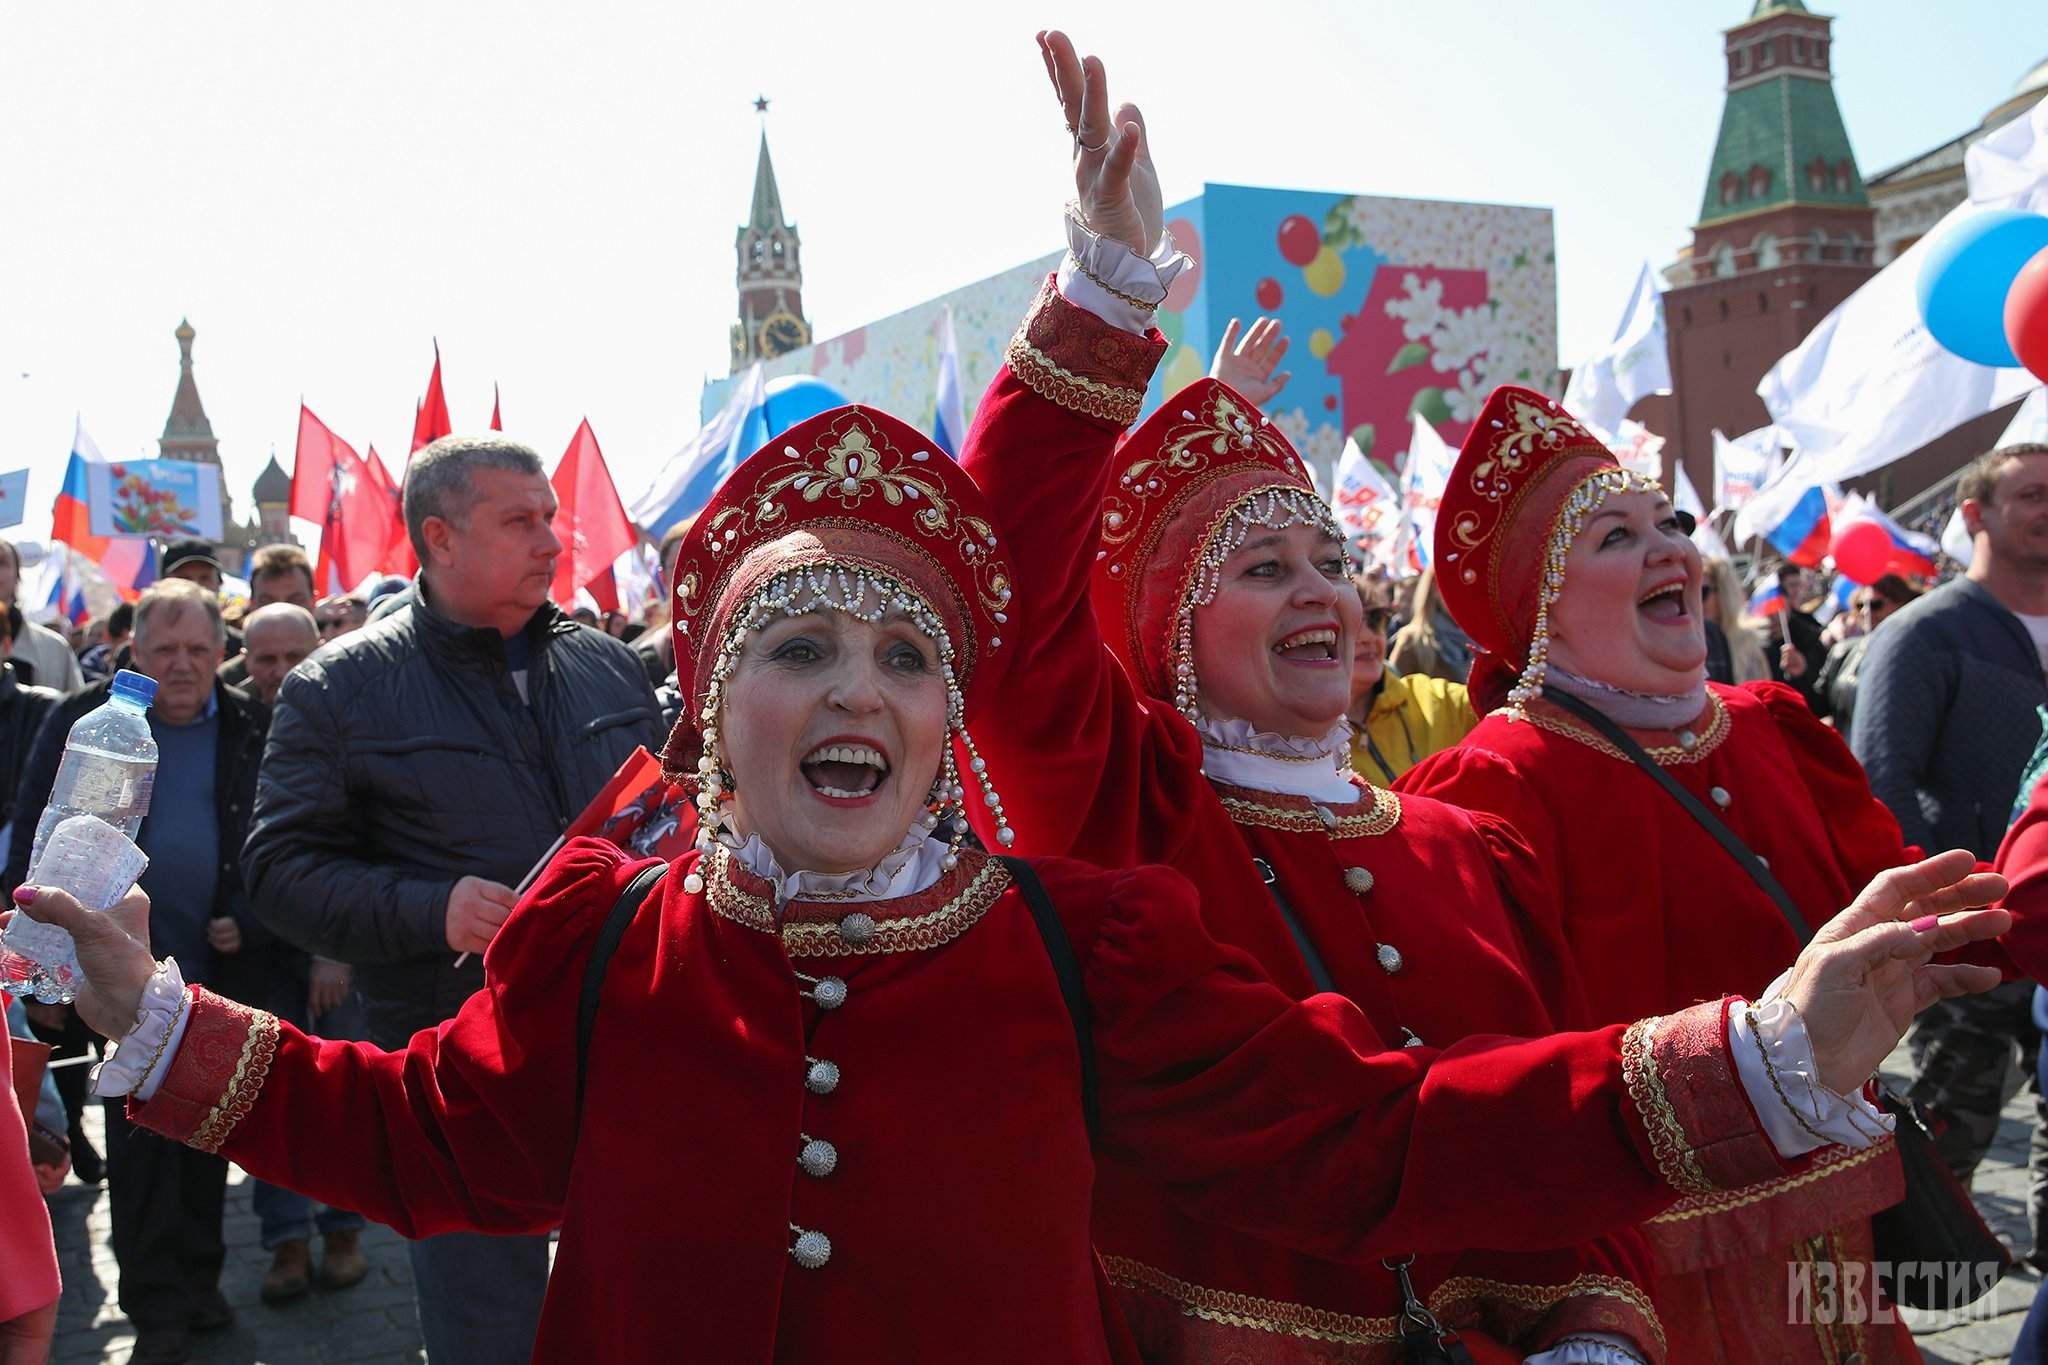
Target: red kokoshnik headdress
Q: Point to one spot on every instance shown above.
(852, 511)
(1186, 488)
(1527, 477)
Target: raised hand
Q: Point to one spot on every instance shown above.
(1115, 183)
(1870, 969)
(113, 953)
(1248, 365)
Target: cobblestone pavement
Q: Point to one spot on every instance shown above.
(374, 1323)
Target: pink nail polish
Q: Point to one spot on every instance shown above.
(1925, 922)
(24, 894)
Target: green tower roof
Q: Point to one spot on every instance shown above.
(1765, 8)
(1784, 123)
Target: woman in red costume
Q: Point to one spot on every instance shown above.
(1208, 735)
(1577, 579)
(833, 1105)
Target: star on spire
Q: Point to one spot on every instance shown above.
(760, 104)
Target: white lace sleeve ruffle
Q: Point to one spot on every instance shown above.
(161, 1020)
(1591, 1348)
(1798, 1113)
(1123, 270)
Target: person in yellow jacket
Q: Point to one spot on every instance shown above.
(1397, 719)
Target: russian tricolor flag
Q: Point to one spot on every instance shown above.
(1912, 552)
(1802, 534)
(70, 519)
(130, 564)
(1767, 598)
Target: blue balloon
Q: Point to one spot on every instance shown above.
(1968, 272)
(797, 398)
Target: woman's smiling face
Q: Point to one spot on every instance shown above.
(1629, 613)
(833, 730)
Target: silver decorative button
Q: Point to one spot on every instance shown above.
(1410, 1038)
(830, 992)
(857, 928)
(821, 1078)
(818, 1157)
(1327, 816)
(1720, 797)
(1688, 741)
(1357, 879)
(1389, 958)
(811, 1249)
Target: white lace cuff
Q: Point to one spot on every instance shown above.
(1114, 282)
(1774, 1059)
(142, 1056)
(1591, 1348)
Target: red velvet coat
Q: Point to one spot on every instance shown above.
(1088, 766)
(1658, 915)
(959, 1206)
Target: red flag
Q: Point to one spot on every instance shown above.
(332, 486)
(497, 422)
(592, 523)
(396, 543)
(430, 422)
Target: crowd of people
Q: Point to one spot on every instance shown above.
(1077, 917)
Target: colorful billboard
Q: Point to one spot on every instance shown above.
(1395, 307)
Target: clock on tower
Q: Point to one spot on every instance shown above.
(769, 274)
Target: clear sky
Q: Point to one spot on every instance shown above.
(553, 190)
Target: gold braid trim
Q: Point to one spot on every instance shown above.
(1676, 1161)
(252, 1068)
(1055, 383)
(1825, 1165)
(933, 929)
(1381, 818)
(1666, 755)
(1460, 1292)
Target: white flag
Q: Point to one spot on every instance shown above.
(693, 473)
(1743, 466)
(2009, 168)
(1870, 385)
(1423, 481)
(1367, 507)
(1638, 448)
(1686, 498)
(1636, 364)
(2030, 423)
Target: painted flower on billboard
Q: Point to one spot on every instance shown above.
(143, 508)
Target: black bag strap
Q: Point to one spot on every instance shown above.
(1067, 968)
(608, 936)
(1318, 972)
(1694, 807)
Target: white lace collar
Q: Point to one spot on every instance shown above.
(1320, 769)
(915, 864)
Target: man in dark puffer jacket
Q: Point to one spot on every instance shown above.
(417, 770)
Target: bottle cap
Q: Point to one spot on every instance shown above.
(135, 687)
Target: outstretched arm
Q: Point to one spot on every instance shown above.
(469, 1127)
(1294, 1121)
(1066, 735)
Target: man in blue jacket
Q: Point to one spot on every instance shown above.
(1946, 716)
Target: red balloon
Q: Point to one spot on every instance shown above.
(1269, 294)
(1299, 240)
(2026, 315)
(1862, 551)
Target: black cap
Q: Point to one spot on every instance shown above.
(185, 552)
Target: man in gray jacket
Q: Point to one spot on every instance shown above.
(417, 770)
(1947, 713)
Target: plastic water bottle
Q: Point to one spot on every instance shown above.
(85, 840)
